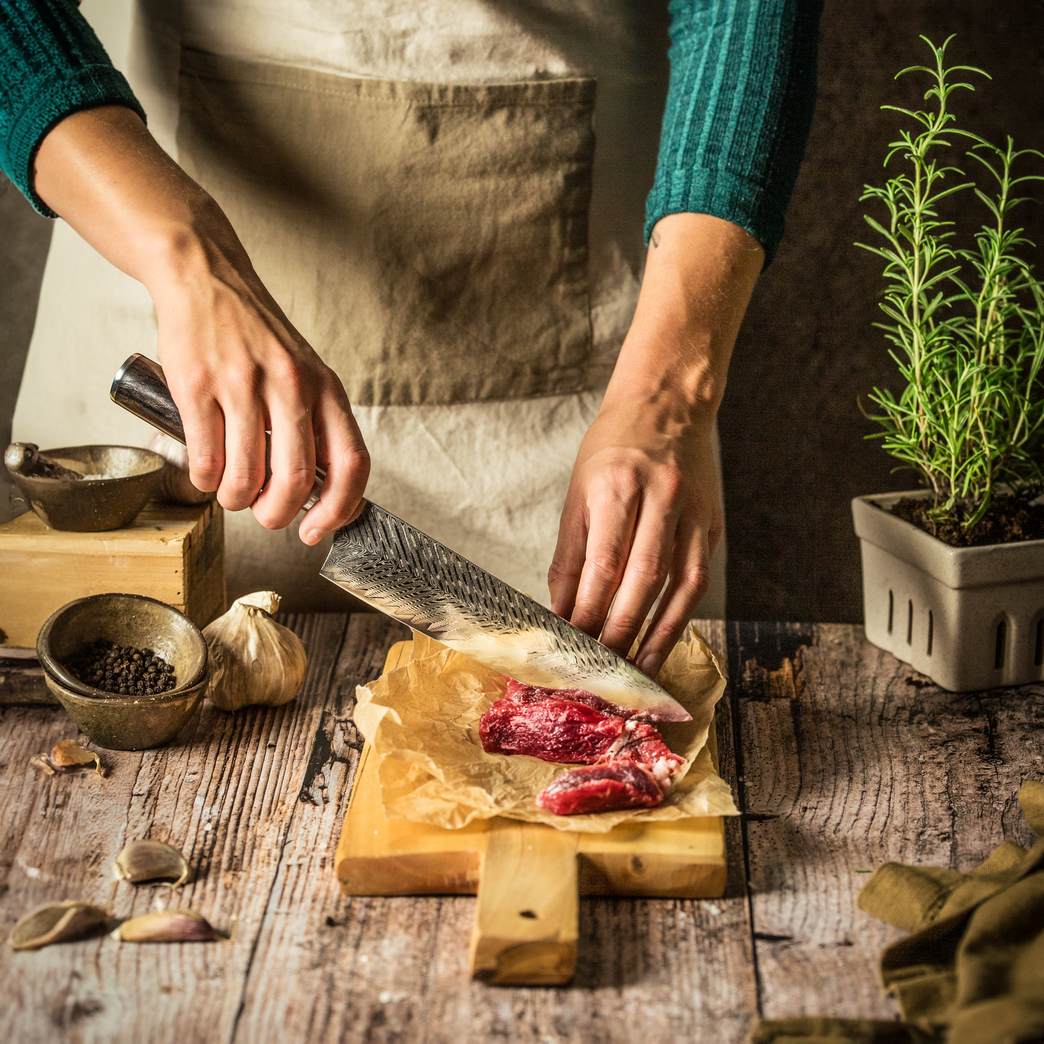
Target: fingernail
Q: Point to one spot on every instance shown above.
(313, 536)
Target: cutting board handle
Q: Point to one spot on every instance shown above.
(526, 916)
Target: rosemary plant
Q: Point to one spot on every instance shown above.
(965, 314)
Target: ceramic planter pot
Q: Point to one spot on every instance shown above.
(968, 617)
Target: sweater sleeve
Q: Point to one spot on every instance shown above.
(738, 113)
(51, 65)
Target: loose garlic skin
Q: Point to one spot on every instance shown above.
(253, 659)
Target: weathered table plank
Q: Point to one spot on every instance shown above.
(258, 798)
(842, 758)
(851, 759)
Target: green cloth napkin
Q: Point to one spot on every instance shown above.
(972, 971)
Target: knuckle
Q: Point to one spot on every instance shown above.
(560, 574)
(626, 624)
(298, 480)
(242, 478)
(694, 580)
(607, 561)
(650, 570)
(618, 481)
(285, 374)
(206, 464)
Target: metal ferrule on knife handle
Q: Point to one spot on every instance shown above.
(140, 388)
(406, 574)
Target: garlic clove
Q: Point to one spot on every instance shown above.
(43, 763)
(253, 658)
(142, 861)
(168, 926)
(68, 754)
(55, 923)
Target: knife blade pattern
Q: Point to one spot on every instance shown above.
(409, 575)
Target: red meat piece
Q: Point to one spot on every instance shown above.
(644, 745)
(601, 788)
(628, 764)
(523, 693)
(550, 729)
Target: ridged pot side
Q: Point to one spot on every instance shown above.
(968, 617)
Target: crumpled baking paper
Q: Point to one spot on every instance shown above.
(422, 723)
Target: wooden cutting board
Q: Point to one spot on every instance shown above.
(528, 876)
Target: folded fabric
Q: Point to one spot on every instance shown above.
(972, 971)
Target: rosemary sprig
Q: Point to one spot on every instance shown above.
(965, 317)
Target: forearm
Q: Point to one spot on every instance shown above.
(51, 66)
(104, 174)
(699, 276)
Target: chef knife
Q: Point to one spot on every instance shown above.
(406, 574)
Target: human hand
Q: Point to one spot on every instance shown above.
(643, 515)
(235, 366)
(643, 512)
(237, 369)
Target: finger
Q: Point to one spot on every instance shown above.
(563, 576)
(611, 528)
(648, 565)
(292, 459)
(688, 583)
(244, 472)
(204, 427)
(343, 454)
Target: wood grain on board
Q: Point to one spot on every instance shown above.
(843, 759)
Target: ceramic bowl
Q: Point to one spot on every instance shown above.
(131, 477)
(111, 720)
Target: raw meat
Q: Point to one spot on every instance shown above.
(601, 788)
(522, 693)
(551, 729)
(629, 764)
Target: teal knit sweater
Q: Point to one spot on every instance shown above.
(743, 75)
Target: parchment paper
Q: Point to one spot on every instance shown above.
(422, 723)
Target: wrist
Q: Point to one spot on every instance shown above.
(700, 272)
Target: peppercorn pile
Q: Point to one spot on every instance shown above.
(122, 669)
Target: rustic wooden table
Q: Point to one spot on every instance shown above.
(840, 756)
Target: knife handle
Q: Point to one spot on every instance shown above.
(140, 388)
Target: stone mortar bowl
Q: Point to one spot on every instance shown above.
(111, 720)
(132, 476)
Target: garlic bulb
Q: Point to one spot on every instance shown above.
(253, 659)
(177, 486)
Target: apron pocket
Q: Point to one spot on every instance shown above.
(429, 240)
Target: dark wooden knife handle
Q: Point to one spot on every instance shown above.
(140, 388)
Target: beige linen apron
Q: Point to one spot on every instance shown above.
(429, 239)
(418, 185)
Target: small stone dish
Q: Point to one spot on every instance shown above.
(111, 720)
(124, 479)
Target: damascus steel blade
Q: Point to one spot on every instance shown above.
(408, 575)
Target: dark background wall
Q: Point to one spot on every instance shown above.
(792, 432)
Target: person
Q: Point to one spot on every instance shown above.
(643, 370)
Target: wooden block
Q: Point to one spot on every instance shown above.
(533, 868)
(172, 552)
